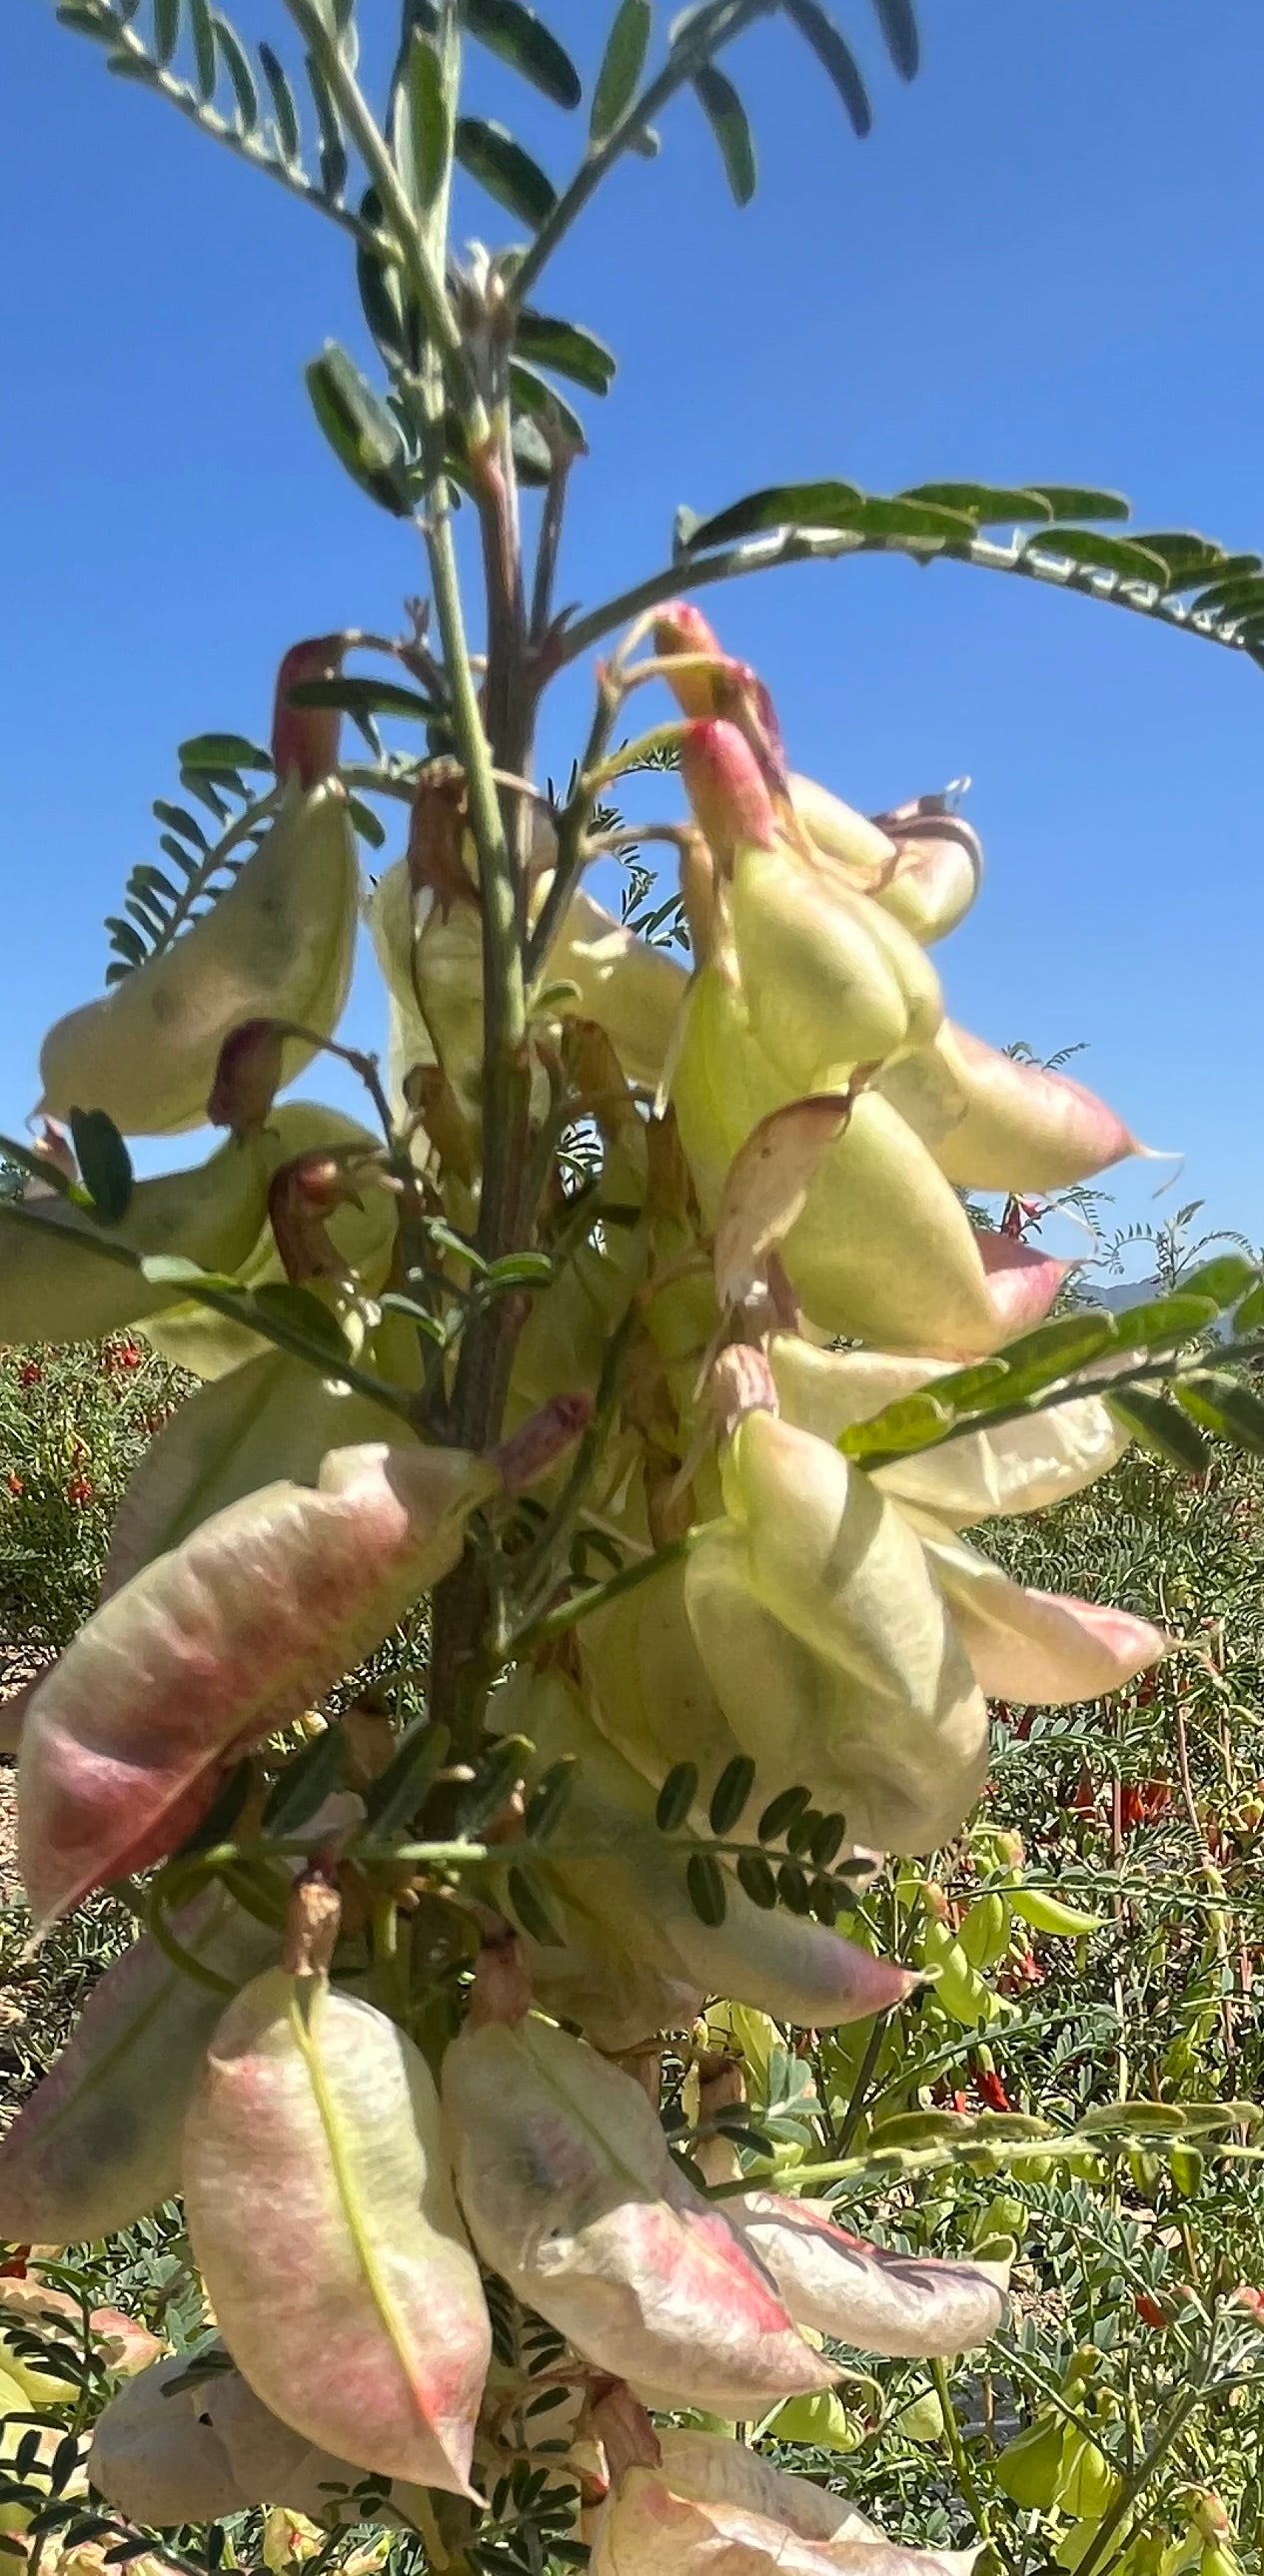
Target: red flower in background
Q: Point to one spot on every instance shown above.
(81, 1491)
(15, 1483)
(30, 1373)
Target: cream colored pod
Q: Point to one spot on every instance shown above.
(322, 2220)
(994, 1123)
(58, 1282)
(278, 945)
(922, 865)
(829, 1644)
(571, 2195)
(208, 1648)
(903, 2305)
(207, 1344)
(828, 980)
(713, 2508)
(97, 2144)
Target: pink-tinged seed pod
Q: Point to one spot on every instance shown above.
(322, 2219)
(938, 869)
(1022, 1285)
(995, 1124)
(694, 2515)
(906, 2306)
(234, 1632)
(570, 2193)
(97, 2144)
(727, 789)
(157, 2458)
(635, 1956)
(305, 739)
(1045, 1648)
(829, 1644)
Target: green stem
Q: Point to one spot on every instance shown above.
(421, 270)
(961, 2460)
(1134, 2486)
(825, 545)
(595, 1596)
(685, 59)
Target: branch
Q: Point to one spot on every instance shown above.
(824, 545)
(690, 56)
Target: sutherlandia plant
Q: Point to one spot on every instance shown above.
(635, 1350)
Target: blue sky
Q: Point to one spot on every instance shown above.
(1044, 263)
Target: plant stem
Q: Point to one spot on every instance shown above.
(594, 1596)
(414, 255)
(961, 2460)
(1133, 2487)
(693, 52)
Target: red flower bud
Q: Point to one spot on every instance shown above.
(305, 739)
(15, 1483)
(991, 2090)
(81, 1491)
(1150, 2312)
(30, 1373)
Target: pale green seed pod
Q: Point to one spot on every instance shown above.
(193, 1338)
(55, 1286)
(993, 1123)
(278, 945)
(322, 2219)
(828, 981)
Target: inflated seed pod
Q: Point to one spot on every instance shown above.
(569, 2192)
(693, 2513)
(635, 1955)
(994, 1123)
(905, 2305)
(212, 1646)
(829, 1644)
(322, 2219)
(57, 1286)
(97, 2144)
(193, 1337)
(157, 2458)
(278, 945)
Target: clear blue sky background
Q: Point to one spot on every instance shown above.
(1047, 261)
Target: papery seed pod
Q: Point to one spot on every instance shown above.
(1041, 1647)
(272, 2464)
(922, 865)
(322, 2220)
(884, 1249)
(269, 1420)
(97, 2144)
(828, 981)
(994, 1123)
(695, 2513)
(879, 2302)
(1022, 1284)
(212, 1646)
(569, 2192)
(635, 1956)
(157, 2458)
(829, 1644)
(277, 945)
(1023, 1466)
(194, 1338)
(55, 1287)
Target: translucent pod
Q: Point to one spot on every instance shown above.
(571, 2195)
(906, 2306)
(206, 1344)
(1041, 1647)
(322, 2219)
(648, 1688)
(156, 2457)
(208, 1648)
(626, 1913)
(829, 1643)
(1023, 1466)
(273, 1418)
(56, 1287)
(994, 1123)
(884, 1249)
(278, 945)
(97, 2144)
(922, 866)
(435, 980)
(828, 980)
(693, 2515)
